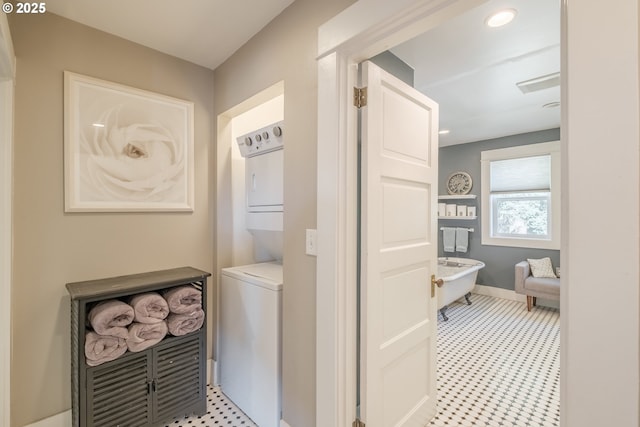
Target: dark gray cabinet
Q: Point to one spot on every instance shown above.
(138, 389)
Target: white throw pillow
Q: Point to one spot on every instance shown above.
(541, 267)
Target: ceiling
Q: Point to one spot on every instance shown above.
(205, 32)
(469, 69)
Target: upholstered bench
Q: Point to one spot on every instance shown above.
(534, 287)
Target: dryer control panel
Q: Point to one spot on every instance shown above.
(261, 141)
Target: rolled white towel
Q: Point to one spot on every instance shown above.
(149, 307)
(183, 299)
(182, 324)
(99, 349)
(144, 335)
(111, 318)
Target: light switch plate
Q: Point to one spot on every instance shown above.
(312, 238)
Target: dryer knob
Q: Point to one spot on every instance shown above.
(248, 142)
(265, 135)
(258, 138)
(277, 131)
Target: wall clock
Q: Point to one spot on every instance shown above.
(459, 183)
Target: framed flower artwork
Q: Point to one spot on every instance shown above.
(126, 149)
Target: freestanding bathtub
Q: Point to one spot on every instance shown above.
(459, 277)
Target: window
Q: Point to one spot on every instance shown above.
(521, 196)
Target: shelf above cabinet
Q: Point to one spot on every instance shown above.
(458, 197)
(458, 217)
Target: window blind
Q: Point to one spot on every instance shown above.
(521, 174)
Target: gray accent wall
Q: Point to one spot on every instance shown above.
(499, 260)
(394, 65)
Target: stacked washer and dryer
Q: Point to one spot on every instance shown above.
(250, 331)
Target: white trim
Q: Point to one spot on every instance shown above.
(369, 27)
(7, 74)
(511, 295)
(336, 325)
(283, 423)
(552, 148)
(364, 29)
(492, 291)
(60, 420)
(211, 372)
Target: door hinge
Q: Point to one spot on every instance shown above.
(358, 423)
(359, 100)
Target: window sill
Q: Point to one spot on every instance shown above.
(521, 243)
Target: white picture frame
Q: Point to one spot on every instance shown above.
(126, 149)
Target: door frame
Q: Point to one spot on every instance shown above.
(7, 78)
(363, 30)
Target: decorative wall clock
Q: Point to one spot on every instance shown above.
(459, 183)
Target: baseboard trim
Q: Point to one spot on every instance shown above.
(492, 291)
(508, 294)
(215, 379)
(60, 420)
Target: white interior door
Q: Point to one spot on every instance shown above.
(398, 253)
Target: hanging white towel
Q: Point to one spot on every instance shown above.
(449, 239)
(462, 239)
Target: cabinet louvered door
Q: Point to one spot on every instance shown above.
(118, 393)
(178, 380)
(163, 382)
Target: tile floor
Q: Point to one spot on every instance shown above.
(498, 365)
(221, 412)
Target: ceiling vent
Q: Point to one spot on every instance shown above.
(539, 83)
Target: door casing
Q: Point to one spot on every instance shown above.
(363, 30)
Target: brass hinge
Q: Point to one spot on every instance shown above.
(358, 423)
(359, 100)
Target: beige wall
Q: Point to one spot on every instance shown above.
(52, 248)
(285, 50)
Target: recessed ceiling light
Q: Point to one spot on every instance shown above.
(98, 125)
(444, 131)
(500, 18)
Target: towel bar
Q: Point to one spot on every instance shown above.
(470, 230)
